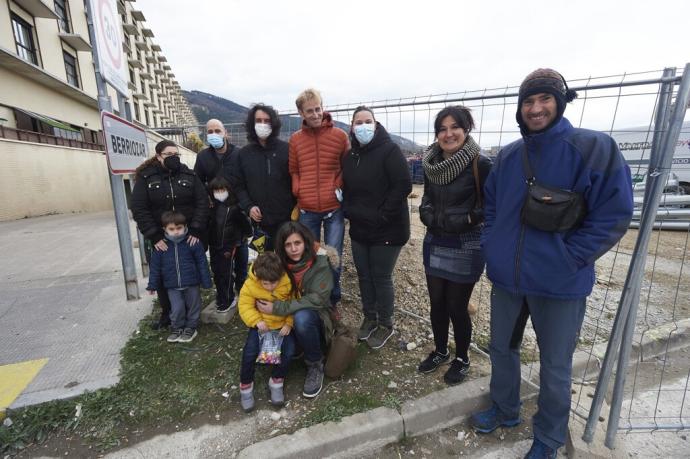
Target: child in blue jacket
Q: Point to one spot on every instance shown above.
(180, 268)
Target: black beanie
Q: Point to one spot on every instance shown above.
(549, 81)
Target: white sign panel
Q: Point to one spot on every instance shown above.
(126, 145)
(112, 61)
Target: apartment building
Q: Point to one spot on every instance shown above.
(50, 140)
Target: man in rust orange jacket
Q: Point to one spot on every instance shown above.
(315, 155)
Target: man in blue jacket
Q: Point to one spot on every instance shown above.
(546, 275)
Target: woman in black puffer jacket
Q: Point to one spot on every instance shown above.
(162, 184)
(376, 185)
(451, 209)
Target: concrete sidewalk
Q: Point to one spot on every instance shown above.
(62, 297)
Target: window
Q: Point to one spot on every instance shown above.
(71, 69)
(23, 38)
(137, 115)
(63, 16)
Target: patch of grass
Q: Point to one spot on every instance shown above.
(337, 408)
(159, 383)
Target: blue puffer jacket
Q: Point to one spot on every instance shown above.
(180, 266)
(525, 260)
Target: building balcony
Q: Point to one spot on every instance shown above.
(140, 96)
(147, 32)
(135, 63)
(151, 59)
(130, 29)
(144, 75)
(10, 61)
(154, 85)
(37, 8)
(138, 15)
(76, 41)
(155, 47)
(162, 58)
(38, 137)
(132, 86)
(142, 45)
(158, 71)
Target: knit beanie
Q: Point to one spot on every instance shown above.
(549, 81)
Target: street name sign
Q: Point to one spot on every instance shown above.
(126, 145)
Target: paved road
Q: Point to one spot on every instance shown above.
(62, 297)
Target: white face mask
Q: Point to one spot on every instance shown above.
(221, 195)
(262, 130)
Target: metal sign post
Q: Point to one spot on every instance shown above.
(112, 32)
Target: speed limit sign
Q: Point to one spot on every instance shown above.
(110, 54)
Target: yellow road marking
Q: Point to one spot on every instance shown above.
(14, 378)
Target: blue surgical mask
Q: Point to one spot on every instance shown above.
(364, 133)
(215, 140)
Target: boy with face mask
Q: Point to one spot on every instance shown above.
(228, 230)
(180, 269)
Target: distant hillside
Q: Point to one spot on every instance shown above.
(206, 106)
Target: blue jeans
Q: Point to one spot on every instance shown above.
(557, 325)
(308, 330)
(185, 307)
(333, 234)
(251, 352)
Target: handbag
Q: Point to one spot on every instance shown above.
(270, 345)
(550, 209)
(342, 353)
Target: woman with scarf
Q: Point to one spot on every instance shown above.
(376, 183)
(451, 210)
(163, 183)
(309, 268)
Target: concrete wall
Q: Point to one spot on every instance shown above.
(38, 179)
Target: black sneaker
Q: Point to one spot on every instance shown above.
(433, 361)
(366, 329)
(160, 324)
(226, 307)
(457, 372)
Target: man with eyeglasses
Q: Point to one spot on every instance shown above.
(315, 154)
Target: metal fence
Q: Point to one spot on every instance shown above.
(646, 267)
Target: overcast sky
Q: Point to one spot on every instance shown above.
(269, 50)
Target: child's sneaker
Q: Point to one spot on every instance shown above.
(276, 389)
(175, 336)
(187, 335)
(247, 398)
(227, 307)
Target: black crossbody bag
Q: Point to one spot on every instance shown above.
(550, 209)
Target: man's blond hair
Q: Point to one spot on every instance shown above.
(308, 94)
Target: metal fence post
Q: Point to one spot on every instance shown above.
(624, 317)
(659, 178)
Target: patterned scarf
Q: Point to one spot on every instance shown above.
(440, 172)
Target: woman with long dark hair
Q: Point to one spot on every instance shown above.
(451, 210)
(163, 183)
(309, 269)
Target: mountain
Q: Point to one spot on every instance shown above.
(206, 106)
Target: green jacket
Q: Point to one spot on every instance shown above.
(317, 284)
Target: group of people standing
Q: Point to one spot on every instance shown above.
(537, 217)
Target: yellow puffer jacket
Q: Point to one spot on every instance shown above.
(252, 291)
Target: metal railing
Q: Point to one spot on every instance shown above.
(646, 267)
(39, 137)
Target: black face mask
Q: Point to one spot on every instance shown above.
(172, 163)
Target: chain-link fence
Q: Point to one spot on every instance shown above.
(626, 107)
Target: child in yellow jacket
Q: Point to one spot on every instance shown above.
(267, 280)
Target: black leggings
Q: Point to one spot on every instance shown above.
(449, 304)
